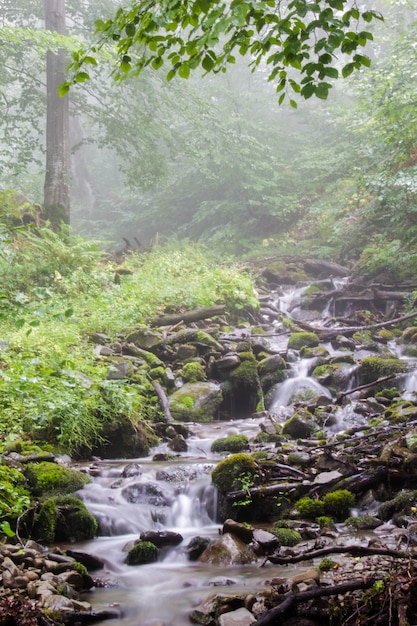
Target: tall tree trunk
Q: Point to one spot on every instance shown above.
(58, 164)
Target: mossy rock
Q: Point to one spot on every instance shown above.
(410, 335)
(390, 393)
(53, 479)
(300, 425)
(271, 365)
(158, 374)
(75, 522)
(337, 504)
(245, 375)
(363, 522)
(233, 443)
(141, 553)
(193, 372)
(231, 473)
(286, 536)
(303, 339)
(309, 508)
(400, 411)
(373, 367)
(63, 518)
(401, 503)
(125, 439)
(196, 402)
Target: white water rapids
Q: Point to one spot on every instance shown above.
(177, 495)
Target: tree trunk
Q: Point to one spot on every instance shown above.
(58, 164)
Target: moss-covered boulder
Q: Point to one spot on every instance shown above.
(64, 518)
(144, 337)
(126, 439)
(196, 402)
(245, 375)
(238, 471)
(410, 335)
(193, 372)
(53, 479)
(232, 443)
(303, 339)
(228, 550)
(373, 367)
(300, 426)
(141, 553)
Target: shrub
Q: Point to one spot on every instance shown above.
(233, 443)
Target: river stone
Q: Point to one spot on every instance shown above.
(146, 492)
(299, 427)
(196, 547)
(144, 338)
(227, 550)
(118, 371)
(228, 361)
(196, 402)
(240, 617)
(132, 469)
(178, 444)
(161, 538)
(238, 530)
(265, 539)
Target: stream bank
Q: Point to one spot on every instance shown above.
(309, 434)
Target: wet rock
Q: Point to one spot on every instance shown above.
(243, 532)
(89, 561)
(228, 550)
(178, 444)
(196, 547)
(299, 426)
(198, 402)
(266, 540)
(162, 537)
(240, 617)
(132, 469)
(228, 361)
(150, 493)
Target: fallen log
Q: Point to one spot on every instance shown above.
(331, 333)
(163, 400)
(353, 550)
(188, 316)
(271, 616)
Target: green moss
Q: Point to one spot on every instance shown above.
(410, 335)
(233, 443)
(303, 339)
(390, 393)
(338, 503)
(323, 370)
(287, 536)
(402, 503)
(324, 521)
(158, 373)
(245, 375)
(50, 478)
(327, 564)
(141, 553)
(309, 508)
(263, 437)
(373, 367)
(193, 372)
(246, 355)
(231, 473)
(75, 522)
(363, 522)
(45, 522)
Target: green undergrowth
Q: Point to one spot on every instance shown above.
(58, 290)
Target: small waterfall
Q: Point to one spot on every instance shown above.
(299, 386)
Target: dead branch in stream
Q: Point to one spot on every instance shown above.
(343, 394)
(326, 334)
(290, 600)
(353, 550)
(163, 400)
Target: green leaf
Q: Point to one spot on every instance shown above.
(81, 77)
(157, 62)
(130, 29)
(184, 70)
(63, 89)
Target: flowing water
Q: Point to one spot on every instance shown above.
(174, 495)
(136, 495)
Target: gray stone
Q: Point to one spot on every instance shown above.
(228, 550)
(240, 617)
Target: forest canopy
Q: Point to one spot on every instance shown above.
(296, 42)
